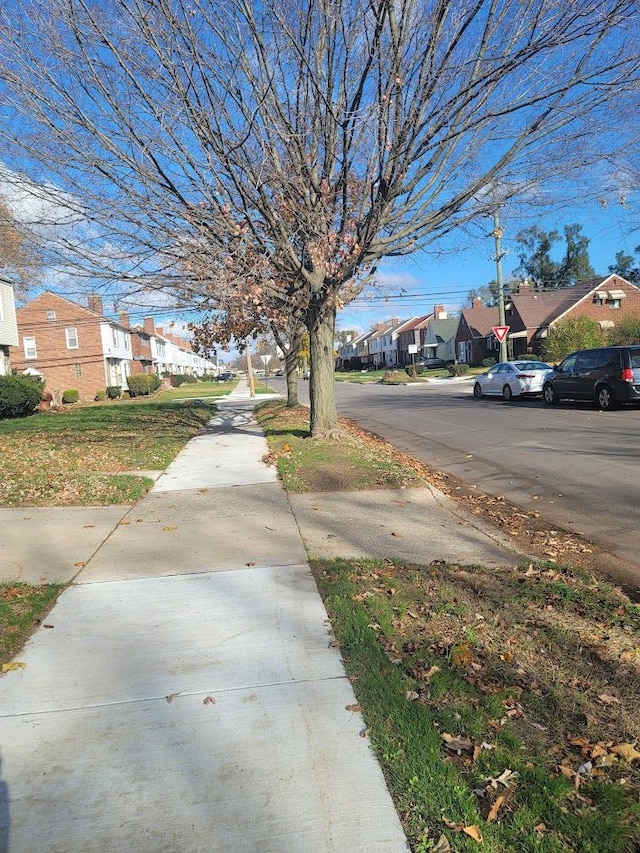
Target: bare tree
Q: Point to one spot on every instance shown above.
(328, 133)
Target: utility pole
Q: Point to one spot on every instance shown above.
(497, 235)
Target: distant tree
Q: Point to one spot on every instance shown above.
(535, 257)
(488, 293)
(18, 259)
(571, 334)
(575, 266)
(537, 265)
(627, 266)
(625, 331)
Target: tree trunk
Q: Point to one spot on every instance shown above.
(291, 368)
(322, 393)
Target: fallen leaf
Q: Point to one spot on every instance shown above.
(606, 699)
(12, 667)
(171, 697)
(473, 832)
(208, 700)
(457, 744)
(250, 564)
(442, 845)
(47, 626)
(431, 672)
(495, 808)
(87, 526)
(355, 707)
(170, 528)
(80, 565)
(364, 733)
(627, 751)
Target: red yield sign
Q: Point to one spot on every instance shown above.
(500, 332)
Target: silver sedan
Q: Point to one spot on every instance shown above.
(508, 379)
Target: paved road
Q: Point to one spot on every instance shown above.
(577, 466)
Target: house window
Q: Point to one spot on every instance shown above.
(115, 337)
(30, 350)
(72, 338)
(51, 316)
(615, 303)
(78, 369)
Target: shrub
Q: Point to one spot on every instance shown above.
(489, 361)
(189, 379)
(19, 396)
(70, 396)
(100, 396)
(414, 369)
(113, 392)
(394, 377)
(572, 334)
(140, 385)
(626, 331)
(458, 369)
(177, 379)
(156, 382)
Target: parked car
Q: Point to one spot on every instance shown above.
(432, 363)
(509, 379)
(607, 376)
(225, 377)
(306, 374)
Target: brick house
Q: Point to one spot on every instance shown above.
(8, 325)
(143, 345)
(71, 346)
(412, 335)
(530, 314)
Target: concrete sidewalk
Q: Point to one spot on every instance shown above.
(188, 697)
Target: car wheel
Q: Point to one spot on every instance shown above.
(477, 391)
(549, 395)
(605, 398)
(507, 393)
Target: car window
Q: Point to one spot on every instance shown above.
(588, 359)
(532, 365)
(609, 358)
(635, 358)
(568, 365)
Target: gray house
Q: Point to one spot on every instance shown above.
(440, 338)
(8, 325)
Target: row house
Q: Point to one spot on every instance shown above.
(8, 325)
(73, 346)
(430, 335)
(391, 344)
(531, 314)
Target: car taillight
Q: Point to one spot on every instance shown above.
(627, 374)
(525, 376)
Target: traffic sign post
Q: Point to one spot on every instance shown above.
(501, 332)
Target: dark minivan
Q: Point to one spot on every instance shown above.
(607, 376)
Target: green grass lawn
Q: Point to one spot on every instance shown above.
(80, 455)
(22, 608)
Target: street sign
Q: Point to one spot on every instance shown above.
(501, 332)
(265, 359)
(412, 349)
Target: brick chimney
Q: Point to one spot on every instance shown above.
(160, 331)
(94, 303)
(477, 302)
(439, 313)
(148, 326)
(124, 320)
(524, 286)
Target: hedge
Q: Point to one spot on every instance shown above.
(19, 396)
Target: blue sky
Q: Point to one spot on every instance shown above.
(448, 276)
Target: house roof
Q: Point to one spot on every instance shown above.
(480, 320)
(417, 323)
(539, 309)
(444, 330)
